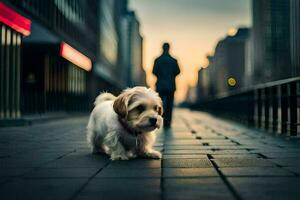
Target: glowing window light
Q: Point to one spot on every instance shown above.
(75, 57)
(231, 81)
(14, 20)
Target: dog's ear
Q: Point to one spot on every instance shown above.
(120, 105)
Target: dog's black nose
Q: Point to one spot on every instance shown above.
(153, 121)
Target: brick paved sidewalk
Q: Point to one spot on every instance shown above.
(203, 158)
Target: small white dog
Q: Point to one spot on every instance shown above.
(124, 126)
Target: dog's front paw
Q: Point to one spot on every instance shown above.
(153, 154)
(131, 154)
(118, 157)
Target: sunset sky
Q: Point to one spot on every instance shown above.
(192, 27)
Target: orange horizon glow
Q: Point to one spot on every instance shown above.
(75, 57)
(192, 27)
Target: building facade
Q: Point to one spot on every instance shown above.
(295, 37)
(203, 89)
(271, 40)
(58, 55)
(226, 69)
(133, 51)
(11, 38)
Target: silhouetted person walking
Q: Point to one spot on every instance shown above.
(166, 69)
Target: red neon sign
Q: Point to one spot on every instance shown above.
(75, 57)
(14, 20)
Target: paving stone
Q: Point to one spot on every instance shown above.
(256, 171)
(78, 161)
(62, 173)
(242, 162)
(286, 162)
(267, 188)
(3, 180)
(183, 142)
(187, 136)
(167, 156)
(106, 188)
(22, 163)
(180, 129)
(228, 147)
(274, 150)
(37, 189)
(235, 156)
(281, 155)
(209, 137)
(186, 163)
(182, 152)
(185, 147)
(129, 173)
(294, 169)
(194, 189)
(135, 164)
(14, 172)
(217, 142)
(189, 172)
(228, 151)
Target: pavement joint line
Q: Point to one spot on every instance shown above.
(262, 156)
(295, 173)
(74, 196)
(224, 179)
(282, 167)
(60, 157)
(239, 144)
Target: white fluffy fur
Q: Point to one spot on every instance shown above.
(104, 130)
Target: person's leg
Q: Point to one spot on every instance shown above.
(171, 104)
(164, 98)
(169, 108)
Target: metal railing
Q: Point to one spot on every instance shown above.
(274, 106)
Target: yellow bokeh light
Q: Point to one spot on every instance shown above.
(231, 81)
(232, 31)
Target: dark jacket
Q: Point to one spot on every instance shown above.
(165, 69)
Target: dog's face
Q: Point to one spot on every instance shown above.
(139, 107)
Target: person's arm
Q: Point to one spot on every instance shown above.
(177, 69)
(155, 70)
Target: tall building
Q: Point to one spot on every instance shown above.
(203, 89)
(271, 40)
(295, 36)
(227, 65)
(107, 66)
(133, 57)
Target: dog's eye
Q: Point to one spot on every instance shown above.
(141, 108)
(158, 109)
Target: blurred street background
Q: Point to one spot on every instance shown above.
(239, 59)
